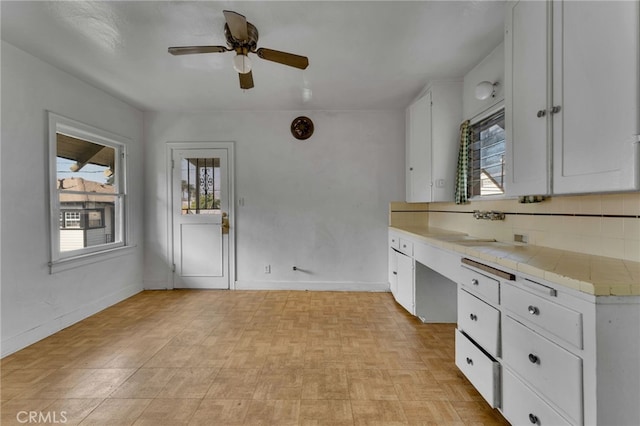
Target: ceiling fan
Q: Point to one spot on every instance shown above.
(242, 37)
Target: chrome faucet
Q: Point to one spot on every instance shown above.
(489, 215)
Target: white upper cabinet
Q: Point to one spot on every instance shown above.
(526, 93)
(418, 150)
(595, 142)
(572, 94)
(433, 123)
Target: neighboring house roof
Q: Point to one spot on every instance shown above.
(75, 185)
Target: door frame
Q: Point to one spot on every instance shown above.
(230, 147)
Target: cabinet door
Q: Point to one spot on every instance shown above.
(526, 60)
(393, 272)
(482, 371)
(405, 295)
(522, 406)
(418, 150)
(596, 84)
(446, 116)
(548, 368)
(480, 321)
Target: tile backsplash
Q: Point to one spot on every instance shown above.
(604, 224)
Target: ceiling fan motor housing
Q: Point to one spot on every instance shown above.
(251, 44)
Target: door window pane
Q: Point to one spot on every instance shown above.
(200, 185)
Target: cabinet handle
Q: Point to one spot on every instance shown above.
(410, 168)
(533, 310)
(395, 273)
(469, 361)
(541, 113)
(533, 418)
(534, 359)
(555, 109)
(473, 317)
(474, 281)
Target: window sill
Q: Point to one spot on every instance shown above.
(87, 259)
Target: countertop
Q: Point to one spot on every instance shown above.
(596, 275)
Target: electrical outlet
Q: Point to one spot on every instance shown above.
(521, 238)
(267, 269)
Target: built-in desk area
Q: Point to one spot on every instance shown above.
(547, 336)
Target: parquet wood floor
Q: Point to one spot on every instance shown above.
(244, 358)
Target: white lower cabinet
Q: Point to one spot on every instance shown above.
(504, 349)
(479, 320)
(481, 370)
(558, 320)
(541, 352)
(552, 371)
(405, 289)
(523, 406)
(485, 287)
(401, 271)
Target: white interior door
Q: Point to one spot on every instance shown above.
(200, 208)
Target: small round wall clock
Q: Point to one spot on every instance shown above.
(302, 128)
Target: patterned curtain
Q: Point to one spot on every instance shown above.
(462, 195)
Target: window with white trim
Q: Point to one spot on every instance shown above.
(87, 189)
(486, 156)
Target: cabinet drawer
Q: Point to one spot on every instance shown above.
(394, 241)
(482, 371)
(521, 405)
(406, 246)
(551, 370)
(552, 317)
(480, 321)
(486, 287)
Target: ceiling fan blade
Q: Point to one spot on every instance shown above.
(246, 80)
(284, 58)
(188, 50)
(237, 25)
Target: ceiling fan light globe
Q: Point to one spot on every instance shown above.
(242, 63)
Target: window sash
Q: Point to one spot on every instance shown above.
(480, 156)
(118, 235)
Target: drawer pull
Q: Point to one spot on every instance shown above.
(469, 361)
(474, 281)
(473, 317)
(533, 310)
(533, 418)
(534, 359)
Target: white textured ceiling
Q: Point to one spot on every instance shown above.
(363, 55)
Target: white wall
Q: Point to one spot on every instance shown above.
(491, 69)
(35, 303)
(320, 204)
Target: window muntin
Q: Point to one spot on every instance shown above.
(87, 189)
(486, 156)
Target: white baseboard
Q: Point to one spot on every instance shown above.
(313, 285)
(15, 343)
